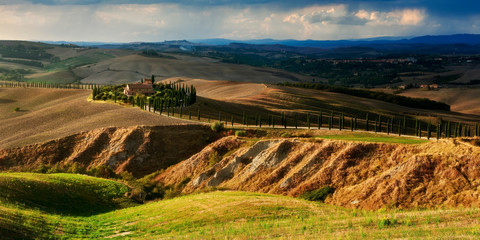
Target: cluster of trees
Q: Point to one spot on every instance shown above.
(13, 74)
(167, 96)
(26, 52)
(422, 103)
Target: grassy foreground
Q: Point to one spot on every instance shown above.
(237, 215)
(370, 137)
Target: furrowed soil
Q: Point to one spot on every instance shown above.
(137, 150)
(365, 175)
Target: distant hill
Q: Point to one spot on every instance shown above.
(469, 39)
(443, 44)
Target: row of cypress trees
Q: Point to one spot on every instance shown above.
(389, 125)
(15, 84)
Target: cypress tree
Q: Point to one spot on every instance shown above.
(376, 124)
(379, 123)
(319, 120)
(260, 121)
(416, 127)
(243, 118)
(355, 124)
(391, 125)
(198, 114)
(330, 121)
(419, 129)
(308, 120)
(284, 120)
(367, 123)
(351, 124)
(388, 126)
(296, 121)
(273, 121)
(399, 128)
(341, 121)
(232, 120)
(448, 130)
(189, 115)
(115, 96)
(460, 129)
(428, 130)
(269, 120)
(404, 125)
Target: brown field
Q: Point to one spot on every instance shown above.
(133, 67)
(463, 100)
(47, 114)
(469, 72)
(232, 98)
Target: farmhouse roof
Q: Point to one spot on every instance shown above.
(139, 86)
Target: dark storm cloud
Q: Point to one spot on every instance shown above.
(157, 20)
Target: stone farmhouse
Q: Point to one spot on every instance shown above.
(145, 87)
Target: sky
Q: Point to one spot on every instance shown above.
(160, 20)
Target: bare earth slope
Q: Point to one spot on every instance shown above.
(47, 114)
(464, 100)
(365, 175)
(138, 150)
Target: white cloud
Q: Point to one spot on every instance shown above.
(158, 22)
(405, 17)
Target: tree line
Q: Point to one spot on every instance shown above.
(369, 122)
(15, 84)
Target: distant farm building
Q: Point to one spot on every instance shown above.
(431, 86)
(145, 88)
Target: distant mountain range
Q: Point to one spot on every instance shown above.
(467, 44)
(468, 39)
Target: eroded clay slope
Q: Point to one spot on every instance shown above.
(365, 175)
(139, 150)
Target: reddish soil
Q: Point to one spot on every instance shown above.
(365, 175)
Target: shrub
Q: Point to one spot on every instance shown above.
(16, 109)
(319, 194)
(286, 135)
(217, 126)
(240, 133)
(213, 159)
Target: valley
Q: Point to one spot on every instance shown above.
(258, 152)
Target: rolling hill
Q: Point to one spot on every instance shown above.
(239, 215)
(47, 114)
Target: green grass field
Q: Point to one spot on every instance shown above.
(215, 215)
(370, 137)
(89, 58)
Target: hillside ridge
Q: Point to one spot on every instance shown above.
(365, 175)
